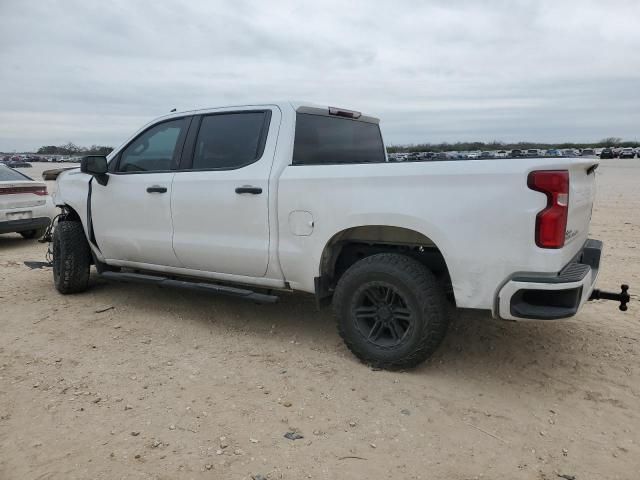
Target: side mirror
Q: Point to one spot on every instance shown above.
(95, 165)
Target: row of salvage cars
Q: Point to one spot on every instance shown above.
(25, 205)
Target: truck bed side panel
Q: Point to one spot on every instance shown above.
(480, 214)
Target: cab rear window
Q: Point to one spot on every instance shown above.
(323, 140)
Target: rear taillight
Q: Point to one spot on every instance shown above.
(37, 190)
(551, 223)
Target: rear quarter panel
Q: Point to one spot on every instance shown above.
(480, 214)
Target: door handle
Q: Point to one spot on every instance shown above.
(156, 189)
(249, 189)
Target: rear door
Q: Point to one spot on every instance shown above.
(131, 214)
(220, 199)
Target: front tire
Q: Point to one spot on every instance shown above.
(391, 311)
(71, 258)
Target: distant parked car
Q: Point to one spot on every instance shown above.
(502, 154)
(18, 164)
(553, 152)
(516, 153)
(487, 154)
(569, 152)
(473, 155)
(588, 152)
(627, 152)
(25, 205)
(532, 152)
(607, 153)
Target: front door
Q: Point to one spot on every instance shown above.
(131, 215)
(220, 200)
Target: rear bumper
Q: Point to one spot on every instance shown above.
(551, 296)
(24, 225)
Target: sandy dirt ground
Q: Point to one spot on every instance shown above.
(170, 384)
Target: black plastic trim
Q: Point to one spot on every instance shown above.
(186, 159)
(322, 291)
(92, 235)
(591, 253)
(24, 224)
(545, 304)
(573, 272)
(587, 259)
(249, 189)
(192, 285)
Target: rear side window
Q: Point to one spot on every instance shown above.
(230, 140)
(153, 150)
(9, 175)
(322, 140)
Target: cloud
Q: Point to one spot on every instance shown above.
(93, 72)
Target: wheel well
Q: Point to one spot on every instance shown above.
(69, 214)
(353, 244)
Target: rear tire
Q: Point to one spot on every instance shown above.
(71, 258)
(391, 311)
(31, 234)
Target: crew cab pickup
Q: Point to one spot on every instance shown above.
(249, 200)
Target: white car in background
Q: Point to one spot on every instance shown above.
(627, 152)
(25, 205)
(532, 152)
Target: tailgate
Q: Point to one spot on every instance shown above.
(582, 191)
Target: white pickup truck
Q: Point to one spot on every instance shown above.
(249, 200)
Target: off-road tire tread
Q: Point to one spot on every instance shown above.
(75, 258)
(431, 299)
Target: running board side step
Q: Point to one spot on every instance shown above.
(200, 286)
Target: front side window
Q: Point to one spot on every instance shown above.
(323, 140)
(230, 140)
(153, 150)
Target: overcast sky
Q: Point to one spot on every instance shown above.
(92, 72)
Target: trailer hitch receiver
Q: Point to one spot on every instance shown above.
(622, 297)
